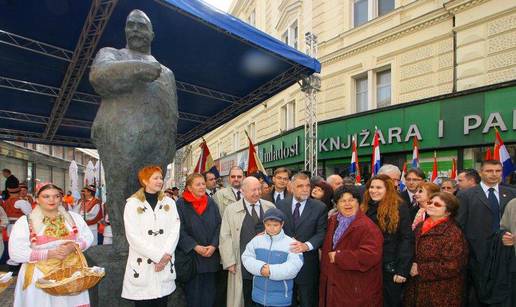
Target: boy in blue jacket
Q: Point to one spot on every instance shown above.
(267, 256)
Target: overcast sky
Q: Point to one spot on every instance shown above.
(220, 4)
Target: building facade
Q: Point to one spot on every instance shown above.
(389, 63)
(32, 163)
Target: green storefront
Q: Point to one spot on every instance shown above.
(458, 126)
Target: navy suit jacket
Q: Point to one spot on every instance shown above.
(475, 217)
(311, 228)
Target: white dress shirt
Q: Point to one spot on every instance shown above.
(486, 190)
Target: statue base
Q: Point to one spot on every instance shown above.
(108, 291)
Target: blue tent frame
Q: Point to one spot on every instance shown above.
(223, 66)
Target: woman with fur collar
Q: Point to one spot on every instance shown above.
(43, 241)
(152, 230)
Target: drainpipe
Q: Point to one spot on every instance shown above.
(454, 37)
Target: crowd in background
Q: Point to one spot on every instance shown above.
(310, 241)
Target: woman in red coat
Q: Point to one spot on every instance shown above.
(440, 257)
(351, 259)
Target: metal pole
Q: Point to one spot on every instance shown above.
(310, 86)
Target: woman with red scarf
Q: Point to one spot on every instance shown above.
(200, 228)
(440, 257)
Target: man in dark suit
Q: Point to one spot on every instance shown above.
(279, 190)
(413, 178)
(11, 182)
(306, 222)
(480, 211)
(211, 183)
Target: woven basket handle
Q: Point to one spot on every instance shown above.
(78, 251)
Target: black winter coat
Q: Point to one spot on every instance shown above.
(201, 230)
(398, 247)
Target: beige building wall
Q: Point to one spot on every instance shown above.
(431, 48)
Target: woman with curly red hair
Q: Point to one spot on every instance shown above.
(383, 205)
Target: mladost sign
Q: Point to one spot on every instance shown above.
(458, 121)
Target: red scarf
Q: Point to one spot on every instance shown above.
(429, 224)
(198, 204)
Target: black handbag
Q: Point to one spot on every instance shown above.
(185, 265)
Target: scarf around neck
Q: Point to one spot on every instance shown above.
(344, 223)
(198, 204)
(428, 224)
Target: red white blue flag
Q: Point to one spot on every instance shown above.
(354, 167)
(434, 170)
(502, 154)
(415, 153)
(205, 162)
(375, 159)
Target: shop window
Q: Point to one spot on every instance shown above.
(290, 36)
(361, 97)
(365, 10)
(288, 116)
(383, 88)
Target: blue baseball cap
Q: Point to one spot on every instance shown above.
(274, 214)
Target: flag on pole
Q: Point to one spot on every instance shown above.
(254, 164)
(354, 167)
(415, 153)
(453, 174)
(375, 159)
(502, 154)
(403, 185)
(205, 162)
(434, 170)
(488, 155)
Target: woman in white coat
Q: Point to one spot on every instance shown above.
(42, 242)
(152, 230)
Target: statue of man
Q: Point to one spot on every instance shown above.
(136, 123)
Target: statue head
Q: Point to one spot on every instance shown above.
(138, 32)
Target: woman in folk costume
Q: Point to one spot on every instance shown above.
(91, 211)
(43, 241)
(152, 230)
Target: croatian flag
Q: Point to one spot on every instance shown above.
(205, 162)
(502, 154)
(354, 167)
(403, 185)
(435, 176)
(453, 174)
(415, 153)
(375, 159)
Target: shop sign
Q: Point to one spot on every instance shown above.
(459, 121)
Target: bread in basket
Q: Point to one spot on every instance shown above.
(71, 280)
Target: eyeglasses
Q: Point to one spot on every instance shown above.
(435, 204)
(235, 176)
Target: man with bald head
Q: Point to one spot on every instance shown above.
(242, 221)
(335, 181)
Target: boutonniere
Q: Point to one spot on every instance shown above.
(140, 210)
(167, 207)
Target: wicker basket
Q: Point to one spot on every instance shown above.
(66, 284)
(5, 285)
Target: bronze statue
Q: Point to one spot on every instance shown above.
(136, 123)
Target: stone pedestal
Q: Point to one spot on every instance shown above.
(108, 292)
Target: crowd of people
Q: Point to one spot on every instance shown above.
(300, 241)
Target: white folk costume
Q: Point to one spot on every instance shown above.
(15, 208)
(151, 234)
(91, 211)
(4, 221)
(30, 241)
